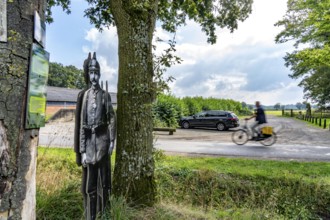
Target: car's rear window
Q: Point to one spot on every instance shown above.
(233, 115)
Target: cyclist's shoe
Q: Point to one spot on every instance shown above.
(258, 138)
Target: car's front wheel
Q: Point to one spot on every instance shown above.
(185, 125)
(221, 126)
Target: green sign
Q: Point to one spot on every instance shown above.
(38, 77)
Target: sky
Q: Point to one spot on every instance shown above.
(245, 65)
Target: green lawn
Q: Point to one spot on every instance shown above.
(274, 112)
(196, 188)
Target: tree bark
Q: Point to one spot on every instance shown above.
(18, 147)
(134, 167)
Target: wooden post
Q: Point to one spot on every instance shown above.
(320, 122)
(325, 124)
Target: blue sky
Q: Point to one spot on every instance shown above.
(245, 65)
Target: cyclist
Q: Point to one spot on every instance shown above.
(260, 119)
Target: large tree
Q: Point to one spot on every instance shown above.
(135, 21)
(307, 24)
(18, 146)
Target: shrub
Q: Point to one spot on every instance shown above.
(168, 109)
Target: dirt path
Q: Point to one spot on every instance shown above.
(289, 130)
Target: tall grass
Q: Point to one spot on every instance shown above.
(196, 188)
(292, 190)
(58, 185)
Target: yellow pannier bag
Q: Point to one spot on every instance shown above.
(267, 130)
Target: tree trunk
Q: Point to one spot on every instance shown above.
(18, 147)
(134, 168)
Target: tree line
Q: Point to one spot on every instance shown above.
(65, 76)
(168, 109)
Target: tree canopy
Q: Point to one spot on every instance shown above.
(173, 13)
(65, 76)
(307, 22)
(277, 106)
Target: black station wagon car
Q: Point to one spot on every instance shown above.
(221, 120)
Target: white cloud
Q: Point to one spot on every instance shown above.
(106, 39)
(105, 45)
(245, 65)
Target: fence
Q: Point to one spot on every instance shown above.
(323, 122)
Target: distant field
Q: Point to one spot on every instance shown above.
(323, 116)
(268, 112)
(274, 112)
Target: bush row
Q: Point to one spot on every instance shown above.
(168, 109)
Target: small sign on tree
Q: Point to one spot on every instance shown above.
(3, 20)
(39, 30)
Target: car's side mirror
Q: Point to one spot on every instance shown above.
(194, 116)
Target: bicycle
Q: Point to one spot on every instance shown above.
(267, 135)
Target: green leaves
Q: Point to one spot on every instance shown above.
(168, 109)
(65, 4)
(65, 76)
(100, 13)
(208, 13)
(307, 23)
(171, 13)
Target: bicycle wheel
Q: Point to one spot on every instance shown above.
(270, 140)
(240, 137)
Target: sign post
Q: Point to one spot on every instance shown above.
(36, 98)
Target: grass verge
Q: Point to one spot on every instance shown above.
(196, 188)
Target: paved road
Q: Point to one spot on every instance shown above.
(296, 141)
(250, 149)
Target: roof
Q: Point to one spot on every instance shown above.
(58, 94)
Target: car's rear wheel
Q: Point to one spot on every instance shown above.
(185, 125)
(221, 127)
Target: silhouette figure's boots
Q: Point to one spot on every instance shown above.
(91, 212)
